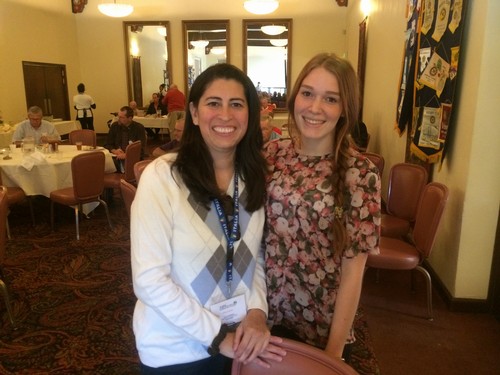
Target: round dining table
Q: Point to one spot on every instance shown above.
(39, 173)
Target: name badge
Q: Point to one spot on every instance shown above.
(232, 310)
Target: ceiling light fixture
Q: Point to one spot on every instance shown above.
(278, 42)
(218, 50)
(261, 6)
(115, 10)
(273, 29)
(199, 43)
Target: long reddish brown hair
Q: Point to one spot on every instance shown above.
(349, 96)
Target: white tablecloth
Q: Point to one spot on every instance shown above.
(66, 127)
(152, 122)
(51, 173)
(62, 127)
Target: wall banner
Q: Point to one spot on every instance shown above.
(429, 74)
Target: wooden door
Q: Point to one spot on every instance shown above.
(46, 87)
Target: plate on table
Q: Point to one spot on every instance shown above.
(92, 148)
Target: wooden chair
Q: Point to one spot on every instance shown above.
(376, 159)
(128, 194)
(86, 136)
(16, 195)
(3, 231)
(398, 254)
(87, 170)
(406, 182)
(300, 359)
(133, 155)
(139, 168)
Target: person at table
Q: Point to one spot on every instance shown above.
(133, 104)
(195, 213)
(84, 104)
(269, 131)
(175, 101)
(174, 143)
(123, 132)
(152, 110)
(35, 126)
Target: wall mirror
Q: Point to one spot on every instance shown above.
(147, 51)
(205, 43)
(267, 46)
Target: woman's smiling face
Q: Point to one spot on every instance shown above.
(222, 115)
(318, 108)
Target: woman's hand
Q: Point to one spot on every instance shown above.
(251, 337)
(272, 352)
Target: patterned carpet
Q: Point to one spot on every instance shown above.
(73, 300)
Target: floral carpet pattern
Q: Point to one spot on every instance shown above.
(73, 300)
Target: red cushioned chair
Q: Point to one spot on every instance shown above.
(86, 136)
(16, 195)
(398, 254)
(87, 170)
(406, 182)
(3, 232)
(301, 359)
(128, 194)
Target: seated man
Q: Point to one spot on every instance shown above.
(35, 127)
(122, 133)
(176, 138)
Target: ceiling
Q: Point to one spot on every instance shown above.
(198, 9)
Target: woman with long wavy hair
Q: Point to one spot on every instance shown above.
(323, 211)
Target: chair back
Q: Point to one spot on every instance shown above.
(300, 359)
(128, 194)
(376, 159)
(430, 212)
(86, 136)
(3, 221)
(139, 168)
(87, 170)
(406, 182)
(132, 156)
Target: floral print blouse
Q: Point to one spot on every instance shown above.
(302, 268)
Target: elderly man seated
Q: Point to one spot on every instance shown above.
(35, 127)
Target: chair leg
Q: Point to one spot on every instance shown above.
(107, 212)
(77, 223)
(7, 228)
(52, 215)
(429, 291)
(32, 211)
(5, 292)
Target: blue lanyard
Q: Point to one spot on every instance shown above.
(231, 237)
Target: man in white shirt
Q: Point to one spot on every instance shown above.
(35, 127)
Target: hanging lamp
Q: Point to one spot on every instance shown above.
(261, 6)
(273, 29)
(278, 42)
(115, 9)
